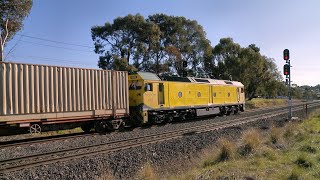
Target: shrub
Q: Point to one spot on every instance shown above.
(226, 150)
(251, 139)
(268, 153)
(309, 149)
(295, 175)
(303, 162)
(275, 135)
(291, 130)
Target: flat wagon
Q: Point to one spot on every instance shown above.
(33, 96)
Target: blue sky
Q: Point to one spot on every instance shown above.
(272, 25)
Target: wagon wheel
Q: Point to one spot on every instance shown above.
(100, 127)
(35, 128)
(86, 127)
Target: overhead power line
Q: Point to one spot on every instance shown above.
(40, 44)
(59, 42)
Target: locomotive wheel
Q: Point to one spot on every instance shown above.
(182, 117)
(169, 118)
(236, 111)
(229, 111)
(35, 128)
(86, 127)
(157, 120)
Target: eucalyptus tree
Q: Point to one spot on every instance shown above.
(258, 73)
(225, 61)
(12, 14)
(181, 39)
(125, 43)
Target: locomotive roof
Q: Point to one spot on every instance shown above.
(154, 77)
(148, 76)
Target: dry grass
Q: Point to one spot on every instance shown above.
(290, 130)
(276, 135)
(147, 173)
(224, 151)
(251, 140)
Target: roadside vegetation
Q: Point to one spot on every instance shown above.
(289, 152)
(264, 103)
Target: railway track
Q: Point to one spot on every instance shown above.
(46, 139)
(80, 152)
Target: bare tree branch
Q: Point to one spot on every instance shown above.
(14, 46)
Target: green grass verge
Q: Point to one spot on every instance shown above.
(263, 103)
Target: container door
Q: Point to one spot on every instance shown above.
(161, 94)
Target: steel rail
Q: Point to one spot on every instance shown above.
(45, 139)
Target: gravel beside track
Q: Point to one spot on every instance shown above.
(124, 164)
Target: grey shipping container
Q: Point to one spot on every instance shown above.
(50, 94)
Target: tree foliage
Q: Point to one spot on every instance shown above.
(12, 13)
(258, 73)
(181, 39)
(160, 43)
(157, 44)
(130, 38)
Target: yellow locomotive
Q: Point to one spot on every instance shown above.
(156, 99)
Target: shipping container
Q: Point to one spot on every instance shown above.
(41, 94)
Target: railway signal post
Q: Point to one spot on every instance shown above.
(286, 72)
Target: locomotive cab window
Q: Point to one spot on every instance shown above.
(135, 85)
(148, 87)
(242, 90)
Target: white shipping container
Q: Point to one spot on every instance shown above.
(31, 93)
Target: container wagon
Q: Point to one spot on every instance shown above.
(34, 96)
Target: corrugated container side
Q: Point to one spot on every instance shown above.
(40, 89)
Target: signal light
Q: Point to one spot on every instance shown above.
(184, 64)
(286, 54)
(286, 69)
(184, 73)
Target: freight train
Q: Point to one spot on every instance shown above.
(40, 96)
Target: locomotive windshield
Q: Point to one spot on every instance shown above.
(135, 85)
